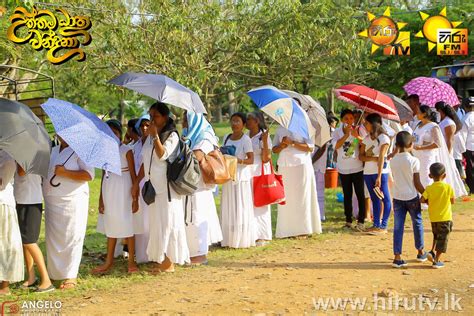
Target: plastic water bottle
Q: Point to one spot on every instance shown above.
(352, 148)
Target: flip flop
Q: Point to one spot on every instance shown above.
(46, 290)
(32, 285)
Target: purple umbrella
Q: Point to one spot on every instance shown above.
(431, 90)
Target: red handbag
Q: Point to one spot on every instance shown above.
(268, 188)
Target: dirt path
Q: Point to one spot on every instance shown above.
(286, 279)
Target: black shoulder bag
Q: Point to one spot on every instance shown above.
(148, 191)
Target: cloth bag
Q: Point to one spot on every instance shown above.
(268, 188)
(214, 168)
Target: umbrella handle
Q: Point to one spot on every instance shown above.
(51, 182)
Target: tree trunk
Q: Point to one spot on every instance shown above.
(121, 110)
(232, 103)
(330, 101)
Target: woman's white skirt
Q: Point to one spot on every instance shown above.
(11, 248)
(167, 232)
(300, 215)
(141, 239)
(198, 209)
(427, 158)
(263, 222)
(237, 215)
(66, 223)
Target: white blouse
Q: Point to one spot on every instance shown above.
(290, 156)
(68, 187)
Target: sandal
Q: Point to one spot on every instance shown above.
(132, 270)
(68, 285)
(100, 271)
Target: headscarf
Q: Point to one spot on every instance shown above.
(198, 129)
(145, 117)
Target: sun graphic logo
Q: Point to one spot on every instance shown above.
(443, 34)
(385, 32)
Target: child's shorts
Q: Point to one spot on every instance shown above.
(441, 232)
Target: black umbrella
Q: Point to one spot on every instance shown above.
(23, 137)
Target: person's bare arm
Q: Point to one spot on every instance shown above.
(452, 200)
(248, 160)
(449, 131)
(101, 200)
(266, 153)
(363, 157)
(20, 171)
(319, 153)
(77, 175)
(417, 181)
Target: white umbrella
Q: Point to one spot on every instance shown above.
(161, 88)
(317, 116)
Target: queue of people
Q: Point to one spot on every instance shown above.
(178, 229)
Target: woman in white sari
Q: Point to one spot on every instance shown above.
(450, 124)
(300, 216)
(200, 208)
(261, 144)
(430, 147)
(66, 198)
(167, 243)
(141, 240)
(11, 249)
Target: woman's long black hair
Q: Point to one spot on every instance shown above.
(430, 114)
(449, 112)
(170, 126)
(375, 120)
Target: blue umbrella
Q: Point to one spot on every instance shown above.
(283, 109)
(90, 138)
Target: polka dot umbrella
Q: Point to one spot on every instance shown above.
(431, 90)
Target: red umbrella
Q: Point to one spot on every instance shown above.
(368, 100)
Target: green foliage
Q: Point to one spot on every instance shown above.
(217, 47)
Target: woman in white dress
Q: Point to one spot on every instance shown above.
(237, 216)
(300, 216)
(11, 251)
(141, 222)
(66, 198)
(261, 144)
(449, 124)
(200, 208)
(430, 147)
(117, 207)
(167, 244)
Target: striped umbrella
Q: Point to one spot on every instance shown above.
(369, 100)
(431, 90)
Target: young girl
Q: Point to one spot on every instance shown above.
(116, 206)
(261, 144)
(141, 221)
(237, 201)
(346, 143)
(374, 152)
(11, 251)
